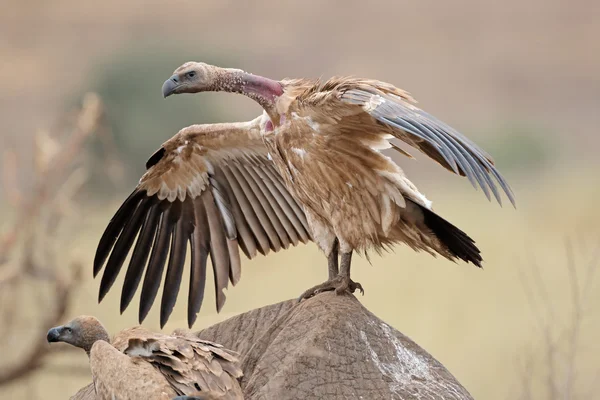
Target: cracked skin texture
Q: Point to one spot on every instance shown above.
(329, 347)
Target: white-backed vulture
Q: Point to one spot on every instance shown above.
(214, 187)
(325, 139)
(310, 167)
(139, 364)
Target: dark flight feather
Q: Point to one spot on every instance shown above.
(156, 265)
(246, 238)
(276, 179)
(456, 241)
(256, 205)
(262, 240)
(460, 153)
(181, 235)
(122, 246)
(114, 228)
(155, 158)
(285, 228)
(267, 201)
(286, 214)
(199, 250)
(140, 256)
(219, 255)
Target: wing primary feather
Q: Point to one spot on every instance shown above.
(252, 192)
(219, 255)
(503, 184)
(477, 174)
(179, 239)
(246, 238)
(276, 179)
(258, 230)
(392, 114)
(269, 203)
(160, 250)
(443, 151)
(289, 213)
(122, 247)
(138, 261)
(466, 142)
(235, 264)
(454, 156)
(114, 228)
(224, 206)
(467, 164)
(470, 167)
(286, 216)
(482, 171)
(396, 112)
(200, 248)
(480, 167)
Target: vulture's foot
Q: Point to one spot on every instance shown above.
(340, 284)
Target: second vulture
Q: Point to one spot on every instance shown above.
(310, 167)
(139, 364)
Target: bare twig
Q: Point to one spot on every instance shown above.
(561, 348)
(35, 234)
(36, 356)
(576, 319)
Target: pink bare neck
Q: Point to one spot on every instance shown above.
(263, 90)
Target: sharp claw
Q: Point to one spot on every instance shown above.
(339, 285)
(359, 287)
(305, 296)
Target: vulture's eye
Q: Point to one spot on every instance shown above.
(191, 74)
(69, 330)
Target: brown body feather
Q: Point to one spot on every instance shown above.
(348, 190)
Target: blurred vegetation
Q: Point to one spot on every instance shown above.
(519, 147)
(138, 117)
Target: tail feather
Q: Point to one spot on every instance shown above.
(459, 244)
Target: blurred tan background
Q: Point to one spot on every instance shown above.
(520, 78)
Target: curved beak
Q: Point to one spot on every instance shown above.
(53, 335)
(170, 86)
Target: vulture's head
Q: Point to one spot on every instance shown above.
(191, 77)
(81, 332)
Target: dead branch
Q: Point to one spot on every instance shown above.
(561, 346)
(31, 259)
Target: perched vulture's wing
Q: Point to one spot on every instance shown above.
(213, 186)
(118, 376)
(85, 393)
(392, 107)
(188, 363)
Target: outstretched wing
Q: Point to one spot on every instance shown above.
(213, 186)
(393, 108)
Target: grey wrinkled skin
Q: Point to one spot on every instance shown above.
(330, 347)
